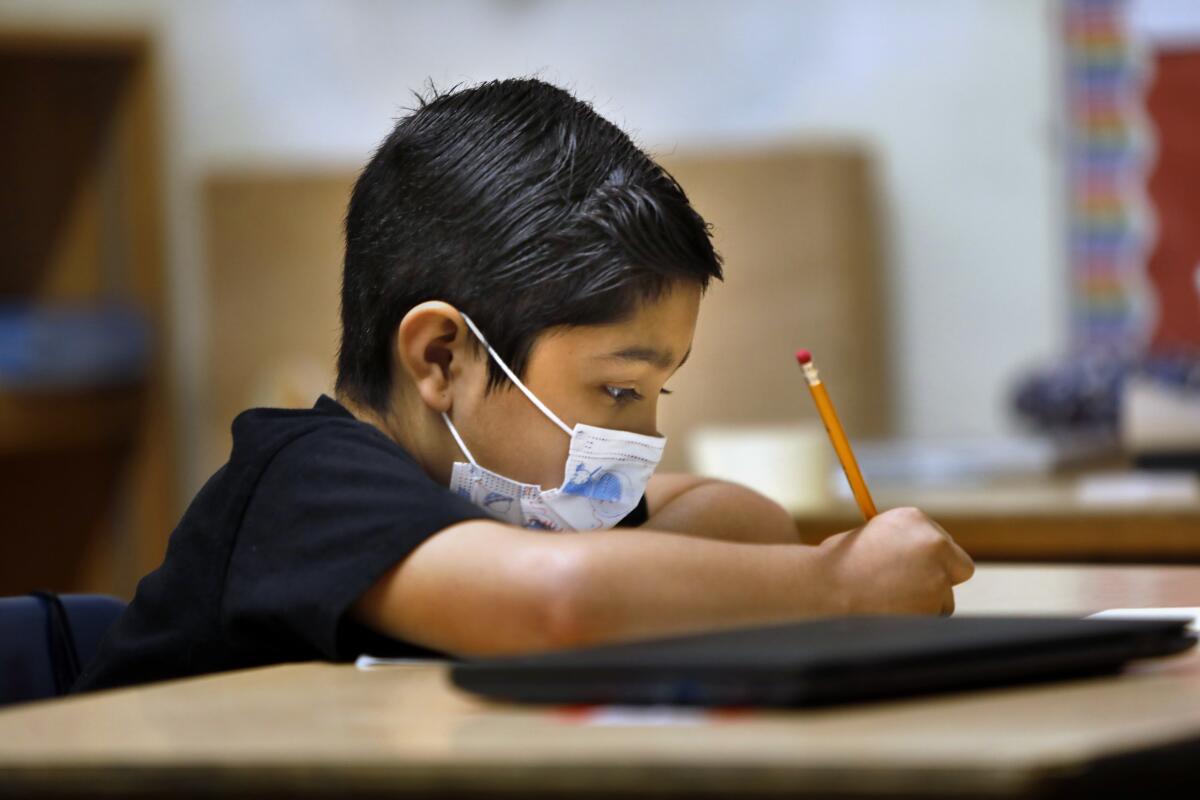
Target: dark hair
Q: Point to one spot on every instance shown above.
(522, 207)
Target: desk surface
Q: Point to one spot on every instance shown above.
(328, 729)
(1028, 520)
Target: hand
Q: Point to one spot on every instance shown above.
(901, 562)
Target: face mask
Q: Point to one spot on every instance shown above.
(606, 474)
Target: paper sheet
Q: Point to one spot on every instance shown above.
(366, 662)
(1151, 613)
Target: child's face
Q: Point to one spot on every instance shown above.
(609, 376)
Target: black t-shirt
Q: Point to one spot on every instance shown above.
(313, 507)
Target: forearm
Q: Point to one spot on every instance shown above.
(485, 588)
(641, 583)
(719, 510)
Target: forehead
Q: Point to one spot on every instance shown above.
(658, 328)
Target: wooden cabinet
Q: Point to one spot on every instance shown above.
(86, 467)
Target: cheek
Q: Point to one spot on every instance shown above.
(512, 437)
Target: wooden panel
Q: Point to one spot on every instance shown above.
(797, 229)
(275, 268)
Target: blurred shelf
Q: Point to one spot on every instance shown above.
(1037, 520)
(86, 475)
(32, 421)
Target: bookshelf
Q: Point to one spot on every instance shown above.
(86, 459)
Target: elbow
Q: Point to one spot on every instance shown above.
(567, 615)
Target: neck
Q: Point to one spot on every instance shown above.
(418, 430)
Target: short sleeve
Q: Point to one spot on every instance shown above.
(330, 514)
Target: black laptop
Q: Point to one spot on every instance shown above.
(827, 661)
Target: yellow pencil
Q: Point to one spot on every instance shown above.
(833, 427)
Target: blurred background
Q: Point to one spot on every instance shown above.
(983, 216)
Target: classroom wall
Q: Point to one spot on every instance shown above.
(955, 98)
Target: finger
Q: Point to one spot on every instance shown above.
(960, 566)
(948, 603)
(938, 525)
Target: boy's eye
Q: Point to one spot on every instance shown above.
(624, 394)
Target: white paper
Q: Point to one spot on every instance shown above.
(1137, 488)
(644, 716)
(1190, 614)
(366, 662)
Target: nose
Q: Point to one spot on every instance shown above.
(646, 423)
(651, 426)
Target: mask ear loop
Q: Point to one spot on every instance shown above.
(517, 381)
(461, 444)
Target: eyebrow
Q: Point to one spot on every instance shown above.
(661, 359)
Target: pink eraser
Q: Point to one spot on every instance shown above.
(803, 356)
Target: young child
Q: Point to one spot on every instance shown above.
(520, 282)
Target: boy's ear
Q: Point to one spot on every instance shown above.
(431, 351)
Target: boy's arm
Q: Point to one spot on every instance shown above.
(716, 510)
(482, 587)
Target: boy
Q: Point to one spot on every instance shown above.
(520, 281)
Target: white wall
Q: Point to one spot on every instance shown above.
(1166, 22)
(957, 98)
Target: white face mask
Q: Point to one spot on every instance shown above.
(605, 477)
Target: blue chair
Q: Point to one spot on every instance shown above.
(46, 639)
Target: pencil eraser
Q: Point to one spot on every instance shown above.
(803, 356)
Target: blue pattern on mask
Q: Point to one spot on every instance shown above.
(598, 484)
(497, 503)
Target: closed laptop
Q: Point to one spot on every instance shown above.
(827, 661)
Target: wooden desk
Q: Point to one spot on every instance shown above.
(1037, 522)
(320, 729)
